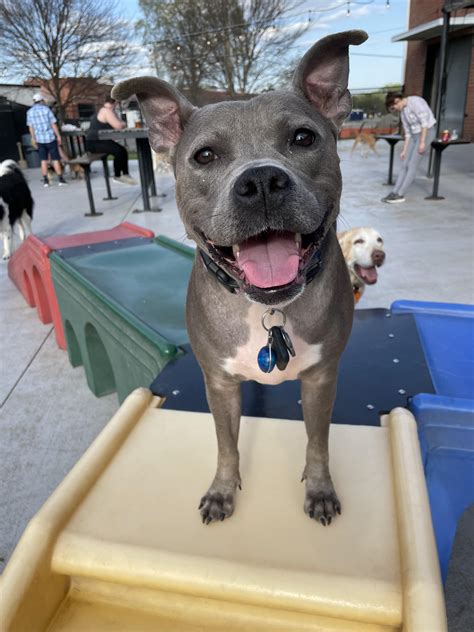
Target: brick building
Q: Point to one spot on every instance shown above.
(81, 96)
(422, 62)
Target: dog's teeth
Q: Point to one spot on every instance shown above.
(298, 238)
(236, 250)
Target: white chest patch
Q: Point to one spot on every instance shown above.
(244, 362)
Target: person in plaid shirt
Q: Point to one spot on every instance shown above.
(45, 135)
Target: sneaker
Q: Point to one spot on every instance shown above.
(396, 199)
(45, 182)
(62, 182)
(125, 179)
(388, 197)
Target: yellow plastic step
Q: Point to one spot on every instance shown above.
(120, 544)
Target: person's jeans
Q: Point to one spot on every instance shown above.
(111, 147)
(410, 165)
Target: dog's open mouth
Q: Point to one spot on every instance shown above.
(368, 275)
(269, 261)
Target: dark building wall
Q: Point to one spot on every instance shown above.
(12, 127)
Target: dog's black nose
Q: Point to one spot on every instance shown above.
(268, 185)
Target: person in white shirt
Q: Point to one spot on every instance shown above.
(419, 125)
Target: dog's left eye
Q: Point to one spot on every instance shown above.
(380, 240)
(358, 241)
(304, 137)
(205, 156)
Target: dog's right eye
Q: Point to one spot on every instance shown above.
(358, 241)
(205, 156)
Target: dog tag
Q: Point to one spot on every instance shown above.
(266, 358)
(289, 344)
(280, 347)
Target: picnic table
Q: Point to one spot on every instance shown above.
(145, 162)
(392, 140)
(439, 146)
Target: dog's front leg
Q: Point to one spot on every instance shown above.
(7, 240)
(318, 392)
(224, 399)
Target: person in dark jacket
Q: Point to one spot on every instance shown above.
(107, 119)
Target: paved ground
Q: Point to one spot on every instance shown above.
(48, 416)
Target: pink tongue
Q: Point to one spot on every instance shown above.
(369, 274)
(270, 261)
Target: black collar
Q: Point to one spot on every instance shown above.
(224, 279)
(312, 267)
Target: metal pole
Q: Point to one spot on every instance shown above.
(390, 166)
(87, 174)
(442, 70)
(107, 179)
(441, 81)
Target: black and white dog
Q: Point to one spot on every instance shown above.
(16, 204)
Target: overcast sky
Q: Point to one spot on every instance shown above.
(373, 64)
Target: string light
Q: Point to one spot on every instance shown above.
(268, 20)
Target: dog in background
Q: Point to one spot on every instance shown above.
(367, 141)
(16, 204)
(76, 171)
(363, 250)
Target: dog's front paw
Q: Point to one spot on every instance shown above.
(218, 502)
(6, 257)
(321, 504)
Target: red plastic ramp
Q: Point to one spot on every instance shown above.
(29, 268)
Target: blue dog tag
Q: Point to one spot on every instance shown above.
(266, 358)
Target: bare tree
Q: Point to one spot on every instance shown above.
(59, 41)
(234, 44)
(249, 56)
(165, 30)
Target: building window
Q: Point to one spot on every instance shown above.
(85, 110)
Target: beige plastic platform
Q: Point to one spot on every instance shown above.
(120, 545)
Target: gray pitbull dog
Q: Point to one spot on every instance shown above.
(258, 186)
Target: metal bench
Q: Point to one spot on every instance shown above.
(85, 161)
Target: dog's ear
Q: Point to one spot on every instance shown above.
(322, 74)
(345, 242)
(165, 109)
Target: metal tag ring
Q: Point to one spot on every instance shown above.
(270, 312)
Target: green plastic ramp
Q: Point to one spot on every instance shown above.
(123, 311)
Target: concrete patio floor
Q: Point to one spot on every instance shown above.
(48, 416)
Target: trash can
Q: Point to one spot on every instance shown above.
(31, 154)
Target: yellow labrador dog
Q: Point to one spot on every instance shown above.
(363, 250)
